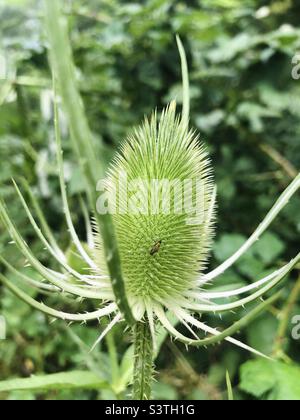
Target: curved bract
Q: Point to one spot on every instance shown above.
(146, 261)
(161, 254)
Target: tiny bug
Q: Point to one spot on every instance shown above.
(156, 247)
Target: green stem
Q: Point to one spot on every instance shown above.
(143, 362)
(185, 82)
(284, 321)
(84, 144)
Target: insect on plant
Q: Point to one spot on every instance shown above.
(156, 247)
(130, 285)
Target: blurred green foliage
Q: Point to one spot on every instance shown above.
(246, 105)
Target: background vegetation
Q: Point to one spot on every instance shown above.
(246, 105)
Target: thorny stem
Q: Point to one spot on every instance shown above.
(143, 362)
(84, 143)
(284, 321)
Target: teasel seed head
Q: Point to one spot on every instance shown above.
(162, 246)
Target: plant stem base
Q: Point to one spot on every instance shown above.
(143, 362)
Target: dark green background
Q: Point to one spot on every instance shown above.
(246, 106)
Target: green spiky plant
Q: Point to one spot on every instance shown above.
(145, 270)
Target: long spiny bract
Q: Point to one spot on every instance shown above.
(169, 281)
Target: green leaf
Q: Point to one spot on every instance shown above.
(162, 391)
(269, 247)
(250, 266)
(261, 335)
(227, 245)
(126, 371)
(57, 381)
(255, 114)
(75, 260)
(210, 121)
(271, 380)
(229, 387)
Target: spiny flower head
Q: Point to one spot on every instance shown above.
(163, 253)
(166, 231)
